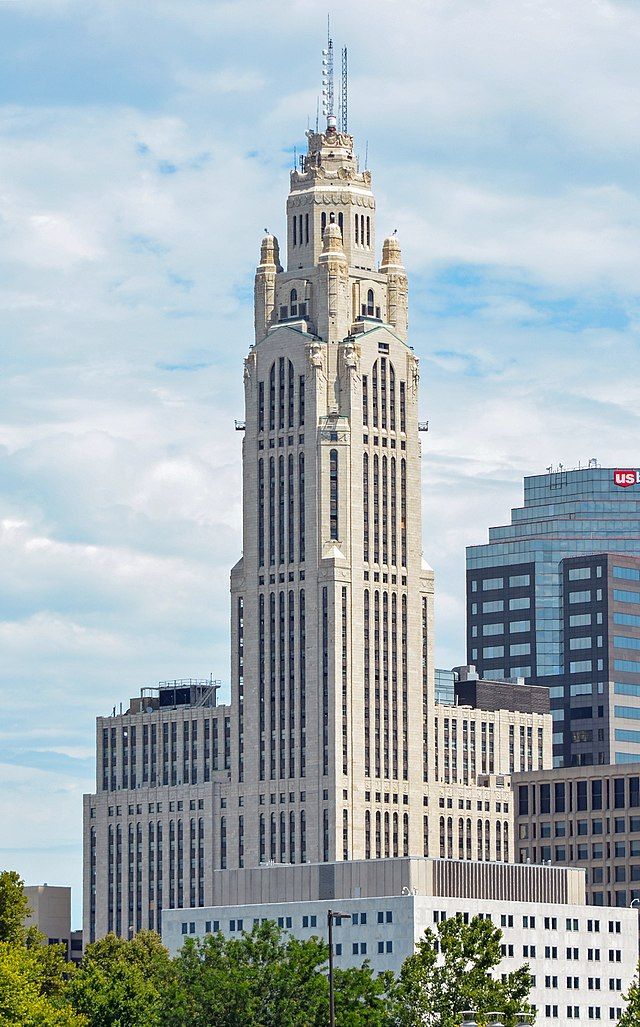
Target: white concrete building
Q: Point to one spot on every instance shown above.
(582, 959)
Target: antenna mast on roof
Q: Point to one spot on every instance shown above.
(344, 98)
(327, 75)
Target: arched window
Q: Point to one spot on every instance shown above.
(293, 303)
(387, 840)
(323, 220)
(378, 835)
(371, 309)
(405, 834)
(272, 397)
(395, 836)
(367, 834)
(341, 223)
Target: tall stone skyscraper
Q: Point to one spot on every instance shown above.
(331, 602)
(333, 747)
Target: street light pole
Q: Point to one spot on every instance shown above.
(332, 915)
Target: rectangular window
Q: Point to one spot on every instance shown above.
(520, 649)
(628, 712)
(524, 603)
(580, 597)
(627, 666)
(579, 573)
(493, 606)
(626, 642)
(489, 584)
(583, 642)
(623, 688)
(493, 629)
(629, 619)
(519, 580)
(580, 620)
(492, 652)
(622, 596)
(580, 666)
(519, 625)
(624, 735)
(630, 573)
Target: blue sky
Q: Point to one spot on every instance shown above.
(143, 149)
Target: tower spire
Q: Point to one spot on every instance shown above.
(327, 79)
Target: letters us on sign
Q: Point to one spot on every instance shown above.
(625, 478)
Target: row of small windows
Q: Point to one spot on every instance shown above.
(285, 394)
(616, 793)
(281, 520)
(300, 228)
(492, 584)
(379, 407)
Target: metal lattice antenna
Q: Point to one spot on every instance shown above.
(327, 75)
(344, 99)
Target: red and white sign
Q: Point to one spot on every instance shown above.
(625, 477)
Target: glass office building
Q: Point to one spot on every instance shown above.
(546, 600)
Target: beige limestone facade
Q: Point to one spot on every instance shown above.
(332, 748)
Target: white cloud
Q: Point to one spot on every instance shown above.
(144, 148)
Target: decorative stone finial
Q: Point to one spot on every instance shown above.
(332, 238)
(391, 254)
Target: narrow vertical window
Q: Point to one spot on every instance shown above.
(365, 399)
(367, 687)
(375, 395)
(272, 684)
(281, 685)
(365, 506)
(290, 507)
(301, 401)
(291, 659)
(325, 681)
(405, 690)
(291, 394)
(293, 303)
(341, 223)
(403, 511)
(261, 512)
(303, 837)
(357, 229)
(376, 680)
(392, 397)
(395, 839)
(301, 531)
(306, 239)
(367, 834)
(260, 406)
(302, 665)
(385, 511)
(325, 835)
(345, 827)
(345, 664)
(403, 407)
(378, 835)
(272, 398)
(371, 306)
(292, 826)
(376, 508)
(385, 685)
(281, 509)
(301, 229)
(393, 513)
(362, 229)
(281, 392)
(295, 230)
(323, 220)
(240, 665)
(272, 511)
(383, 393)
(333, 494)
(368, 230)
(394, 680)
(262, 837)
(261, 683)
